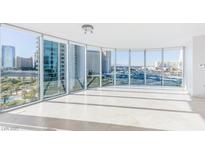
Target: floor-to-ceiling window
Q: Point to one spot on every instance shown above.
(173, 66)
(19, 66)
(54, 68)
(137, 67)
(93, 67)
(108, 63)
(122, 67)
(76, 67)
(154, 67)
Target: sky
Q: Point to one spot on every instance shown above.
(137, 57)
(24, 42)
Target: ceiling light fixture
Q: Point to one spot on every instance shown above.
(87, 28)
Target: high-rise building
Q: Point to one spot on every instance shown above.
(36, 55)
(93, 62)
(35, 60)
(76, 67)
(106, 61)
(8, 56)
(24, 63)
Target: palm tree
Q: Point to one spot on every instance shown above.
(17, 87)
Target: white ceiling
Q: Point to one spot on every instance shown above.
(146, 35)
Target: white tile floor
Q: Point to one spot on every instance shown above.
(143, 107)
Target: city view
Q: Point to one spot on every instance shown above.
(54, 68)
(168, 74)
(19, 68)
(172, 74)
(93, 67)
(20, 73)
(19, 78)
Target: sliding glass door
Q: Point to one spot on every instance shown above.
(76, 67)
(154, 67)
(108, 63)
(93, 67)
(54, 68)
(122, 67)
(137, 67)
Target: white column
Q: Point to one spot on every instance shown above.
(85, 67)
(145, 67)
(67, 67)
(162, 67)
(100, 67)
(41, 63)
(59, 63)
(129, 71)
(183, 66)
(115, 68)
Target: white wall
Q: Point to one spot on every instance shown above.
(198, 73)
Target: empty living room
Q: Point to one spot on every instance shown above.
(102, 77)
(124, 80)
